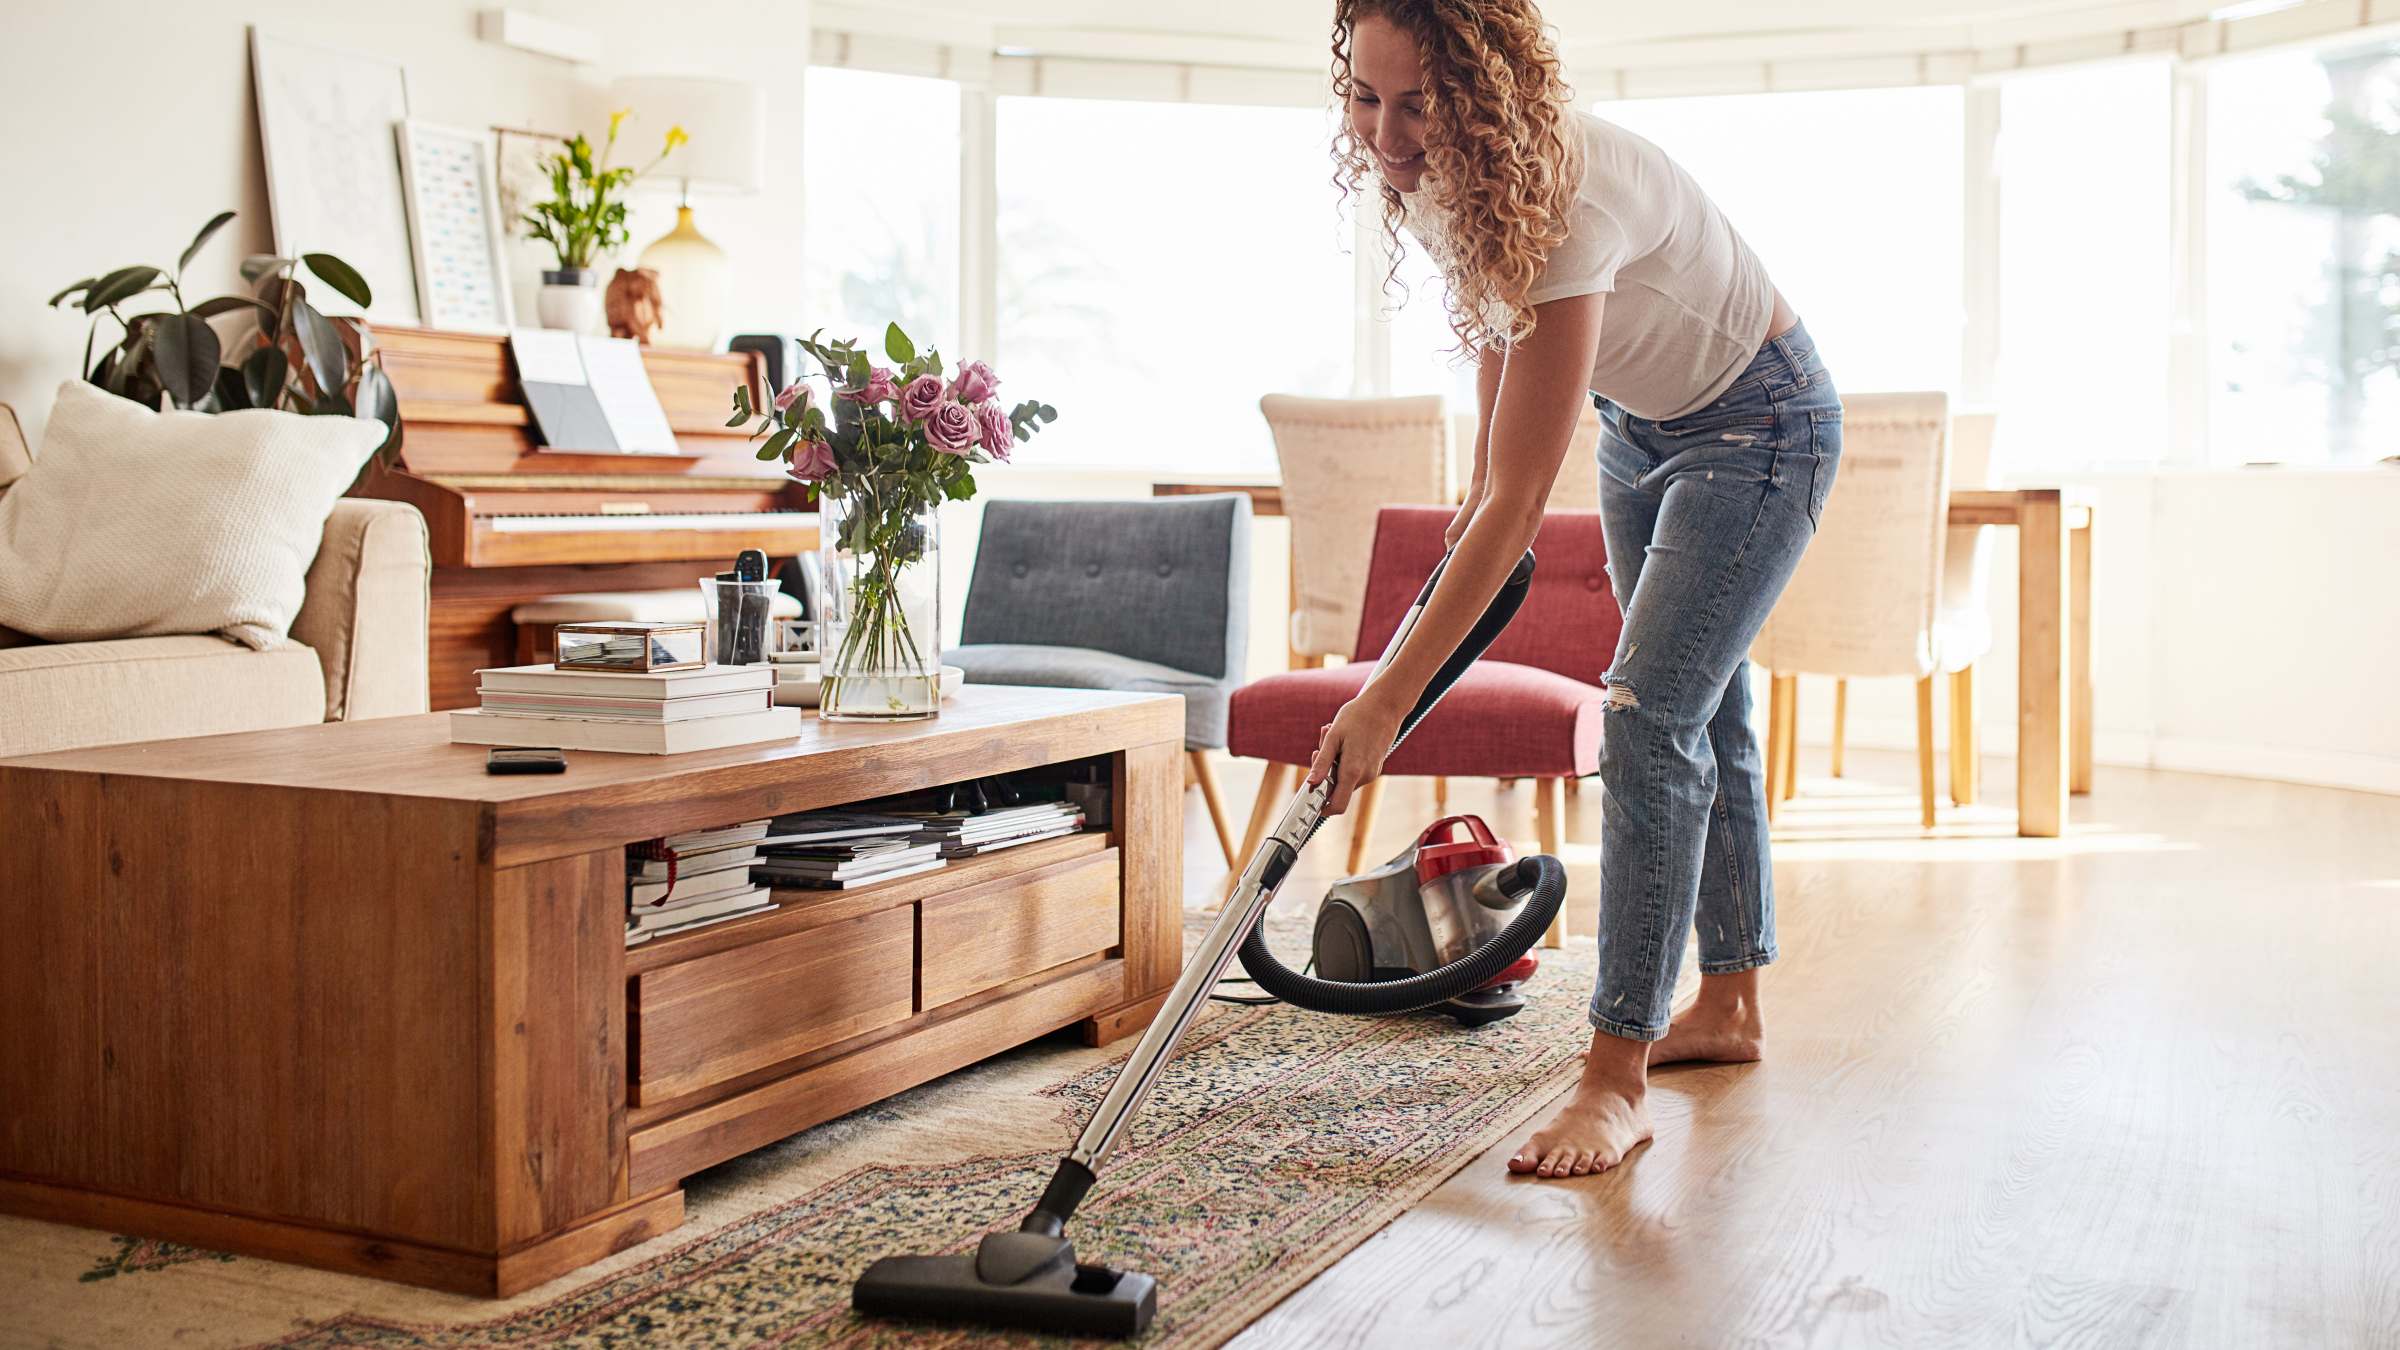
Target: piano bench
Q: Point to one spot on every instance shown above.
(537, 619)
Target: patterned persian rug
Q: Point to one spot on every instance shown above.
(1278, 1141)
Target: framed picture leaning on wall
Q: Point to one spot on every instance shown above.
(325, 120)
(454, 228)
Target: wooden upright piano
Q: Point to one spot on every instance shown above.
(513, 521)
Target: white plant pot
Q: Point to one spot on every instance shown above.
(570, 299)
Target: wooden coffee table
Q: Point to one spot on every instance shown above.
(334, 995)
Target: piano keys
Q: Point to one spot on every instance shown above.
(512, 520)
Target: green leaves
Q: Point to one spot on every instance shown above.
(261, 264)
(264, 375)
(185, 350)
(777, 444)
(215, 223)
(226, 304)
(82, 285)
(122, 284)
(897, 346)
(741, 406)
(340, 276)
(321, 343)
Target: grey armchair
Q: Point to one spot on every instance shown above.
(1149, 595)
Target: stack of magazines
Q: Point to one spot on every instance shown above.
(688, 881)
(840, 850)
(965, 834)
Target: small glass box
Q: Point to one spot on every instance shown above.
(639, 646)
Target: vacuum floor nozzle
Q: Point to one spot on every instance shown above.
(1014, 1279)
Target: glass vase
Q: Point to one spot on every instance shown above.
(879, 624)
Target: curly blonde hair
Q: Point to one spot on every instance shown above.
(1502, 160)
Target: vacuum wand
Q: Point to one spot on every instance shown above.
(1251, 895)
(1030, 1277)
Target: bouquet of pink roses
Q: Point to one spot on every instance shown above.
(887, 446)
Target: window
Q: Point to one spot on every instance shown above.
(1852, 199)
(2304, 256)
(1426, 358)
(1161, 265)
(2084, 267)
(881, 233)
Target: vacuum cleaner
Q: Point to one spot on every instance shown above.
(1029, 1277)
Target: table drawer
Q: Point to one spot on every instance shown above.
(716, 1017)
(996, 932)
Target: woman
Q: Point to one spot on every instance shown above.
(1580, 259)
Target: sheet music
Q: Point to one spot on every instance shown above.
(613, 367)
(558, 393)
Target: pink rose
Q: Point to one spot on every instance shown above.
(952, 428)
(811, 460)
(795, 392)
(879, 386)
(997, 434)
(975, 383)
(921, 397)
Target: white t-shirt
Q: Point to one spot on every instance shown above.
(1688, 303)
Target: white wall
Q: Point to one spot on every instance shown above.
(2244, 622)
(130, 122)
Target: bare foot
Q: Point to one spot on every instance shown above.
(1606, 1119)
(1722, 1027)
(1719, 1036)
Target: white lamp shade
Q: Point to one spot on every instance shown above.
(724, 118)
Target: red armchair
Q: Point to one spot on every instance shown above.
(1530, 708)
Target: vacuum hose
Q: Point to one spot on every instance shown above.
(1543, 875)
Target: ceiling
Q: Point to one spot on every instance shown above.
(1592, 32)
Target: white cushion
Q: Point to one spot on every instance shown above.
(634, 606)
(135, 523)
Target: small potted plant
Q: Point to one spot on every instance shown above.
(583, 218)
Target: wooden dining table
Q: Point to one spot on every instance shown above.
(2054, 631)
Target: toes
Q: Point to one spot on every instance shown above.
(1583, 1162)
(1555, 1163)
(1524, 1161)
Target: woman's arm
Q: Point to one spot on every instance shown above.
(1487, 393)
(1541, 391)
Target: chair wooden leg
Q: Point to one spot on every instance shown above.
(1206, 777)
(1549, 810)
(1774, 747)
(1574, 787)
(1966, 767)
(1441, 796)
(1841, 719)
(1925, 746)
(1273, 786)
(1362, 823)
(1791, 737)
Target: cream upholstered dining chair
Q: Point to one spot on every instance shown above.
(1867, 599)
(1343, 460)
(1966, 612)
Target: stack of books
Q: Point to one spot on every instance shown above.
(841, 850)
(659, 713)
(965, 834)
(692, 880)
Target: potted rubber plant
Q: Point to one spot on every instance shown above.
(583, 218)
(291, 357)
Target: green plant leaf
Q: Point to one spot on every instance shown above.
(262, 264)
(84, 284)
(897, 346)
(778, 443)
(121, 284)
(125, 377)
(186, 351)
(230, 393)
(226, 304)
(331, 405)
(378, 400)
(264, 375)
(321, 343)
(341, 276)
(215, 223)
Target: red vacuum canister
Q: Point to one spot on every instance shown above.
(1430, 904)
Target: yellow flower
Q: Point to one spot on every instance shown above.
(675, 137)
(617, 119)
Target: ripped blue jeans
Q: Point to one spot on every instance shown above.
(1705, 518)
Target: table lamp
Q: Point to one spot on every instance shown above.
(726, 154)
